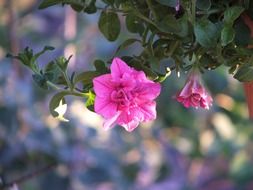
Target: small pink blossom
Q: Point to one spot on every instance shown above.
(194, 94)
(125, 96)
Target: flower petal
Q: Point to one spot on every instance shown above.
(149, 111)
(110, 123)
(131, 118)
(131, 125)
(119, 67)
(148, 91)
(103, 85)
(105, 107)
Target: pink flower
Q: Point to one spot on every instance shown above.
(125, 96)
(194, 94)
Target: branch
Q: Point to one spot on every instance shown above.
(29, 176)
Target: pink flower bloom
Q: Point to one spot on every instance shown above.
(194, 94)
(125, 97)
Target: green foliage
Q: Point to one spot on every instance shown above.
(206, 33)
(203, 4)
(127, 43)
(87, 6)
(228, 32)
(86, 77)
(55, 101)
(49, 3)
(109, 25)
(169, 24)
(232, 13)
(245, 73)
(27, 58)
(203, 34)
(227, 35)
(134, 24)
(90, 100)
(170, 3)
(242, 33)
(100, 66)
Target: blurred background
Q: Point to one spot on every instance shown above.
(184, 149)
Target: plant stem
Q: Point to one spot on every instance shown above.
(52, 85)
(68, 81)
(141, 16)
(193, 9)
(173, 48)
(111, 9)
(29, 176)
(144, 36)
(152, 9)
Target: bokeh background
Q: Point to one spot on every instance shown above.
(184, 149)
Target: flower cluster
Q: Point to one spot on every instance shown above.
(126, 96)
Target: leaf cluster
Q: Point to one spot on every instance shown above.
(175, 35)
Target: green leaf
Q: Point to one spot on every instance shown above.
(27, 57)
(232, 69)
(232, 13)
(90, 7)
(169, 24)
(49, 3)
(90, 101)
(134, 24)
(109, 25)
(242, 33)
(62, 63)
(40, 80)
(77, 8)
(55, 101)
(206, 33)
(163, 77)
(86, 77)
(244, 73)
(227, 35)
(170, 3)
(203, 4)
(100, 66)
(139, 66)
(109, 2)
(54, 74)
(46, 48)
(127, 43)
(87, 6)
(184, 26)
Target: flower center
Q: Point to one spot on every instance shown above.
(122, 98)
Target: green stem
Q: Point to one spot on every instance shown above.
(152, 9)
(111, 9)
(68, 81)
(144, 36)
(138, 14)
(193, 13)
(150, 46)
(80, 94)
(173, 48)
(52, 85)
